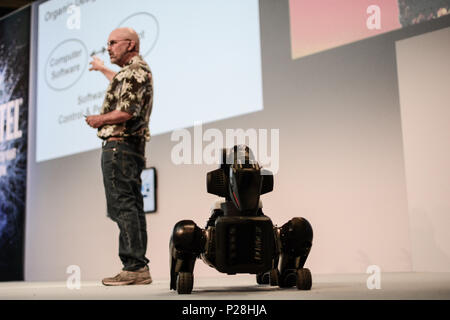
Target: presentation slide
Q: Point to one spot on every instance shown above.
(205, 57)
(323, 24)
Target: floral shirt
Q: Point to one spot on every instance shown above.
(131, 90)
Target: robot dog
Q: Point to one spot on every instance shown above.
(238, 237)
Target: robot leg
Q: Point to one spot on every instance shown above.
(272, 277)
(296, 240)
(186, 243)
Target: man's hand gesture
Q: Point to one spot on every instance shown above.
(96, 64)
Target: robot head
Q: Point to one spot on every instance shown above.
(240, 180)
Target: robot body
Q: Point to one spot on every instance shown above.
(238, 237)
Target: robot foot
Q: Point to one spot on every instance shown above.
(271, 277)
(184, 282)
(304, 279)
(301, 278)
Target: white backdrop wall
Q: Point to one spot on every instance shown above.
(341, 167)
(424, 82)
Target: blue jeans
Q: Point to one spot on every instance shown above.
(122, 164)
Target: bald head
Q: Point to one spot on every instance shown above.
(123, 45)
(126, 33)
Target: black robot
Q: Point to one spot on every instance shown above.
(238, 237)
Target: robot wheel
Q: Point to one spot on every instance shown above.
(185, 282)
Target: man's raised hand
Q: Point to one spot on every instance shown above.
(96, 64)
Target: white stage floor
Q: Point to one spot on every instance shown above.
(394, 286)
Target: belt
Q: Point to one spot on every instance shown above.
(115, 139)
(138, 141)
(130, 138)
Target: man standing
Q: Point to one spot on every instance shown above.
(123, 126)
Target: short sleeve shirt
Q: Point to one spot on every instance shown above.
(131, 91)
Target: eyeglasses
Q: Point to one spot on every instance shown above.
(113, 42)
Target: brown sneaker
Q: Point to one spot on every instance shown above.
(141, 276)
